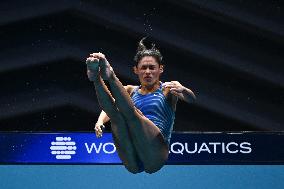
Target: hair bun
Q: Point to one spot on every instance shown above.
(143, 51)
(141, 46)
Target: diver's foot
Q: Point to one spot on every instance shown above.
(93, 64)
(106, 70)
(93, 68)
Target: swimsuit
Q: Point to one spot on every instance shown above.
(155, 107)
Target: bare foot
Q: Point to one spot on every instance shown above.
(92, 68)
(106, 70)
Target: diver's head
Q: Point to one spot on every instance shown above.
(148, 64)
(142, 51)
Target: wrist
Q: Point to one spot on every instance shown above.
(99, 123)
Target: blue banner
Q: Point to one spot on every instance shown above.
(185, 148)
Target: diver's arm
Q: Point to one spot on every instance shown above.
(187, 95)
(103, 118)
(180, 91)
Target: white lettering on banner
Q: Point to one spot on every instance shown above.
(180, 151)
(215, 145)
(111, 144)
(204, 147)
(181, 148)
(191, 152)
(228, 145)
(223, 148)
(243, 146)
(100, 147)
(211, 147)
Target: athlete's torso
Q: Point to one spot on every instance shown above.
(157, 108)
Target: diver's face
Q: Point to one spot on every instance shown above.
(148, 70)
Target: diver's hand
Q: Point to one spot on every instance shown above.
(180, 91)
(99, 130)
(175, 87)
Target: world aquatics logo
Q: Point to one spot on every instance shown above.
(63, 148)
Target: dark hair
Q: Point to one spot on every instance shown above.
(143, 51)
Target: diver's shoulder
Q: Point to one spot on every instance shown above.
(130, 88)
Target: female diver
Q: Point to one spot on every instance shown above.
(142, 117)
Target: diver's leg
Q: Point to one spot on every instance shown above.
(146, 136)
(122, 140)
(121, 137)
